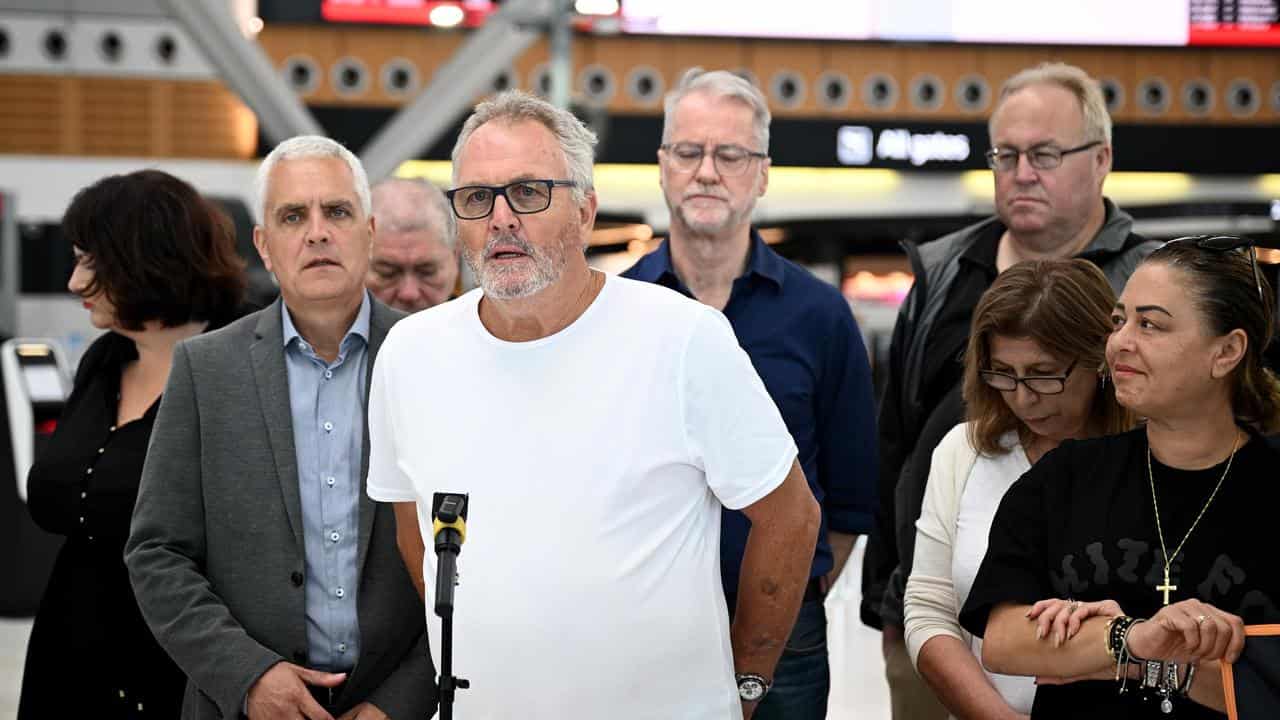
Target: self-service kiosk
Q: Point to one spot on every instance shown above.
(35, 388)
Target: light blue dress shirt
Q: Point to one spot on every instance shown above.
(327, 404)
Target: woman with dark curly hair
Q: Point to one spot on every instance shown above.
(155, 263)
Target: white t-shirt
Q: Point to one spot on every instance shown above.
(596, 461)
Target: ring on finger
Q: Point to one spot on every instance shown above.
(1201, 618)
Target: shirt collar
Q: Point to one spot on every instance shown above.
(359, 327)
(761, 261)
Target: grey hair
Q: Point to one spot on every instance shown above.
(720, 84)
(308, 146)
(412, 205)
(576, 140)
(1097, 122)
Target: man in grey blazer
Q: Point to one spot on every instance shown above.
(257, 558)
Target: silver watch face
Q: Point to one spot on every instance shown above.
(750, 689)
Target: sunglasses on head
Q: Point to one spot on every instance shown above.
(1224, 243)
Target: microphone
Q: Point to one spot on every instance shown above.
(449, 529)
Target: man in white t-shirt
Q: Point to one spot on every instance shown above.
(598, 424)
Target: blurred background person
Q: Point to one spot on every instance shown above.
(1034, 376)
(799, 333)
(154, 263)
(1050, 155)
(1160, 522)
(414, 260)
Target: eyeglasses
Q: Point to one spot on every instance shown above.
(1224, 243)
(524, 197)
(1045, 157)
(1038, 384)
(729, 160)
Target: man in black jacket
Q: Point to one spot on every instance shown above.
(1051, 151)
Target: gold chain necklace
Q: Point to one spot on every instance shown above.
(1168, 559)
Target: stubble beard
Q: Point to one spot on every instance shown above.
(502, 282)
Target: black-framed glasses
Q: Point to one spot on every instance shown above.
(729, 160)
(1224, 243)
(1043, 157)
(524, 197)
(1038, 384)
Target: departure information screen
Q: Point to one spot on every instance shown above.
(1080, 22)
(1235, 22)
(1172, 23)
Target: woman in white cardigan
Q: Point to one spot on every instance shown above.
(1034, 376)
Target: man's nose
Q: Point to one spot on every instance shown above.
(503, 218)
(707, 173)
(317, 230)
(1023, 172)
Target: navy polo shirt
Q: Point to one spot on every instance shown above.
(804, 342)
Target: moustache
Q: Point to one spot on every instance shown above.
(509, 239)
(703, 190)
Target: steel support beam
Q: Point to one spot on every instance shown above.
(245, 68)
(469, 74)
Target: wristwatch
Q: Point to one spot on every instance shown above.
(751, 687)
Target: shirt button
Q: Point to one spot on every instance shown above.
(328, 426)
(342, 647)
(296, 578)
(340, 593)
(101, 450)
(335, 536)
(111, 429)
(330, 480)
(88, 471)
(328, 374)
(81, 519)
(83, 494)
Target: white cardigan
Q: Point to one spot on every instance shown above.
(960, 502)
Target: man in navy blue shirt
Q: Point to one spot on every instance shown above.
(798, 331)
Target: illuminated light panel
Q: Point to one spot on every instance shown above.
(596, 7)
(34, 350)
(1270, 184)
(644, 178)
(1119, 186)
(446, 16)
(1147, 185)
(978, 183)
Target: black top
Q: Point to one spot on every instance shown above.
(949, 336)
(90, 653)
(1080, 524)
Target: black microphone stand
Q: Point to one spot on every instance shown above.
(450, 531)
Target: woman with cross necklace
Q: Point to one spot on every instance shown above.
(1121, 570)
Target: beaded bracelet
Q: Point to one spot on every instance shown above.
(1117, 631)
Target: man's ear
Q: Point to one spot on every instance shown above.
(587, 213)
(260, 244)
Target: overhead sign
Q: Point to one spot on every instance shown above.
(860, 145)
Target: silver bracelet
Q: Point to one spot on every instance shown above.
(1185, 688)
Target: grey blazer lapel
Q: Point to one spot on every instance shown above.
(381, 318)
(272, 380)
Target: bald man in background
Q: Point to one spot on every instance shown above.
(413, 263)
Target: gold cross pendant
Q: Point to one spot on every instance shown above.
(1166, 587)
